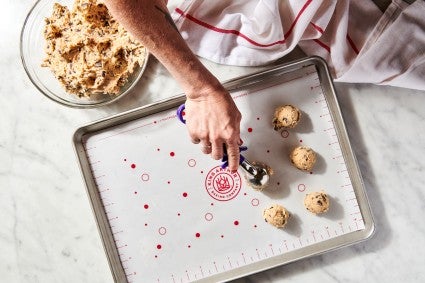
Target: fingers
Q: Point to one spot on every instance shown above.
(233, 156)
(217, 150)
(206, 147)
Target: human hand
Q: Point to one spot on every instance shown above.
(213, 121)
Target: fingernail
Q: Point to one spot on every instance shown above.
(240, 141)
(233, 171)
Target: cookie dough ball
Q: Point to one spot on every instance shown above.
(317, 202)
(276, 215)
(303, 158)
(286, 116)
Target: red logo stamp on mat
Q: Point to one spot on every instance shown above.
(223, 185)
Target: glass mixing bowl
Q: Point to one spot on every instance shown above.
(32, 45)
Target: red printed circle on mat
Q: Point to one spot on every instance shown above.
(162, 230)
(209, 216)
(191, 163)
(284, 134)
(145, 177)
(222, 185)
(301, 188)
(255, 202)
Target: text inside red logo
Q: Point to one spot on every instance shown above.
(222, 185)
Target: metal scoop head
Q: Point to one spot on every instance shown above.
(257, 174)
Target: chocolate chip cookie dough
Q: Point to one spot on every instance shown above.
(286, 116)
(276, 215)
(303, 158)
(88, 51)
(317, 202)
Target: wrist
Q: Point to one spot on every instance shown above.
(203, 90)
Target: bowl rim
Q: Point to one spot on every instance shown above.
(60, 100)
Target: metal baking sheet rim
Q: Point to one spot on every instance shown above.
(308, 251)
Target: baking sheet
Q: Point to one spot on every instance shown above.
(168, 213)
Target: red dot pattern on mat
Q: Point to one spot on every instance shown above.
(236, 222)
(158, 247)
(184, 194)
(172, 154)
(133, 165)
(146, 206)
(197, 235)
(249, 130)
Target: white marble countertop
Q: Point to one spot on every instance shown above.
(48, 232)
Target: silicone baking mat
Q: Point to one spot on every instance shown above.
(176, 216)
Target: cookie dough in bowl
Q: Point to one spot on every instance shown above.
(317, 202)
(88, 51)
(276, 215)
(77, 56)
(303, 158)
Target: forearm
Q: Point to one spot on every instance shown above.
(150, 23)
(213, 120)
